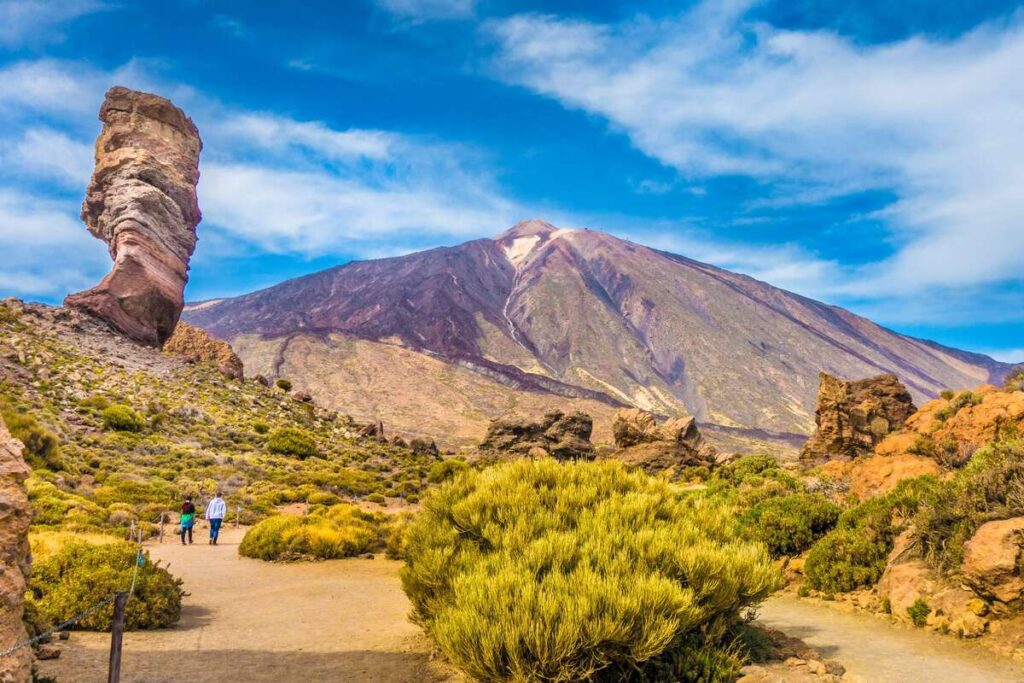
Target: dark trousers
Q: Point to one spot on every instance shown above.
(186, 530)
(215, 529)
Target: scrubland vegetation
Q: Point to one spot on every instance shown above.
(327, 533)
(538, 570)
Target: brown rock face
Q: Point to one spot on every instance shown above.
(14, 557)
(852, 417)
(197, 344)
(565, 437)
(142, 203)
(675, 444)
(992, 558)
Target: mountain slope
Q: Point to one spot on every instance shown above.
(586, 315)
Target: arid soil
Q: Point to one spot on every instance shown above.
(253, 621)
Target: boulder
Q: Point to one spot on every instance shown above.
(15, 513)
(853, 416)
(992, 558)
(564, 437)
(197, 344)
(142, 203)
(878, 474)
(675, 444)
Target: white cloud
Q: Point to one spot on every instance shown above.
(49, 154)
(47, 251)
(1007, 355)
(939, 122)
(423, 10)
(33, 22)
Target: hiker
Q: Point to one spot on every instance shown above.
(188, 519)
(215, 512)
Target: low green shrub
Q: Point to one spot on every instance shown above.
(292, 441)
(335, 532)
(918, 612)
(538, 570)
(40, 443)
(788, 525)
(284, 384)
(855, 552)
(82, 574)
(445, 470)
(121, 418)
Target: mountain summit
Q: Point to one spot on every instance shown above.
(493, 325)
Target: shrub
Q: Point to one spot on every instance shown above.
(260, 427)
(855, 552)
(335, 532)
(81, 575)
(538, 570)
(292, 441)
(40, 442)
(947, 394)
(918, 612)
(445, 470)
(788, 525)
(1015, 380)
(284, 384)
(395, 530)
(990, 486)
(121, 418)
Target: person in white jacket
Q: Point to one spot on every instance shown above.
(215, 512)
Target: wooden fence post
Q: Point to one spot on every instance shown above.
(116, 635)
(163, 518)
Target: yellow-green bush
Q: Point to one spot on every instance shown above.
(121, 418)
(82, 574)
(445, 470)
(292, 441)
(330, 533)
(540, 571)
(40, 443)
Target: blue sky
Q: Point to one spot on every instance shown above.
(867, 154)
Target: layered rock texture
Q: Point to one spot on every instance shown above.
(656, 447)
(196, 344)
(992, 560)
(561, 436)
(854, 416)
(543, 316)
(142, 203)
(14, 557)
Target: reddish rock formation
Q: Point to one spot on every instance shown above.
(564, 437)
(992, 559)
(14, 557)
(198, 345)
(672, 445)
(852, 417)
(142, 203)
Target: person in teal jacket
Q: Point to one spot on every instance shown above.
(188, 519)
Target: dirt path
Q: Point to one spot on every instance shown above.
(880, 652)
(257, 622)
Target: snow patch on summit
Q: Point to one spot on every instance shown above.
(520, 248)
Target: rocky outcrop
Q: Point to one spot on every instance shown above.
(853, 416)
(14, 557)
(564, 437)
(950, 429)
(673, 445)
(142, 203)
(197, 345)
(992, 560)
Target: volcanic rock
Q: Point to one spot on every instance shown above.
(852, 417)
(197, 344)
(14, 557)
(564, 437)
(992, 560)
(672, 445)
(142, 203)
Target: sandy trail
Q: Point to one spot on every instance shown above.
(880, 652)
(253, 621)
